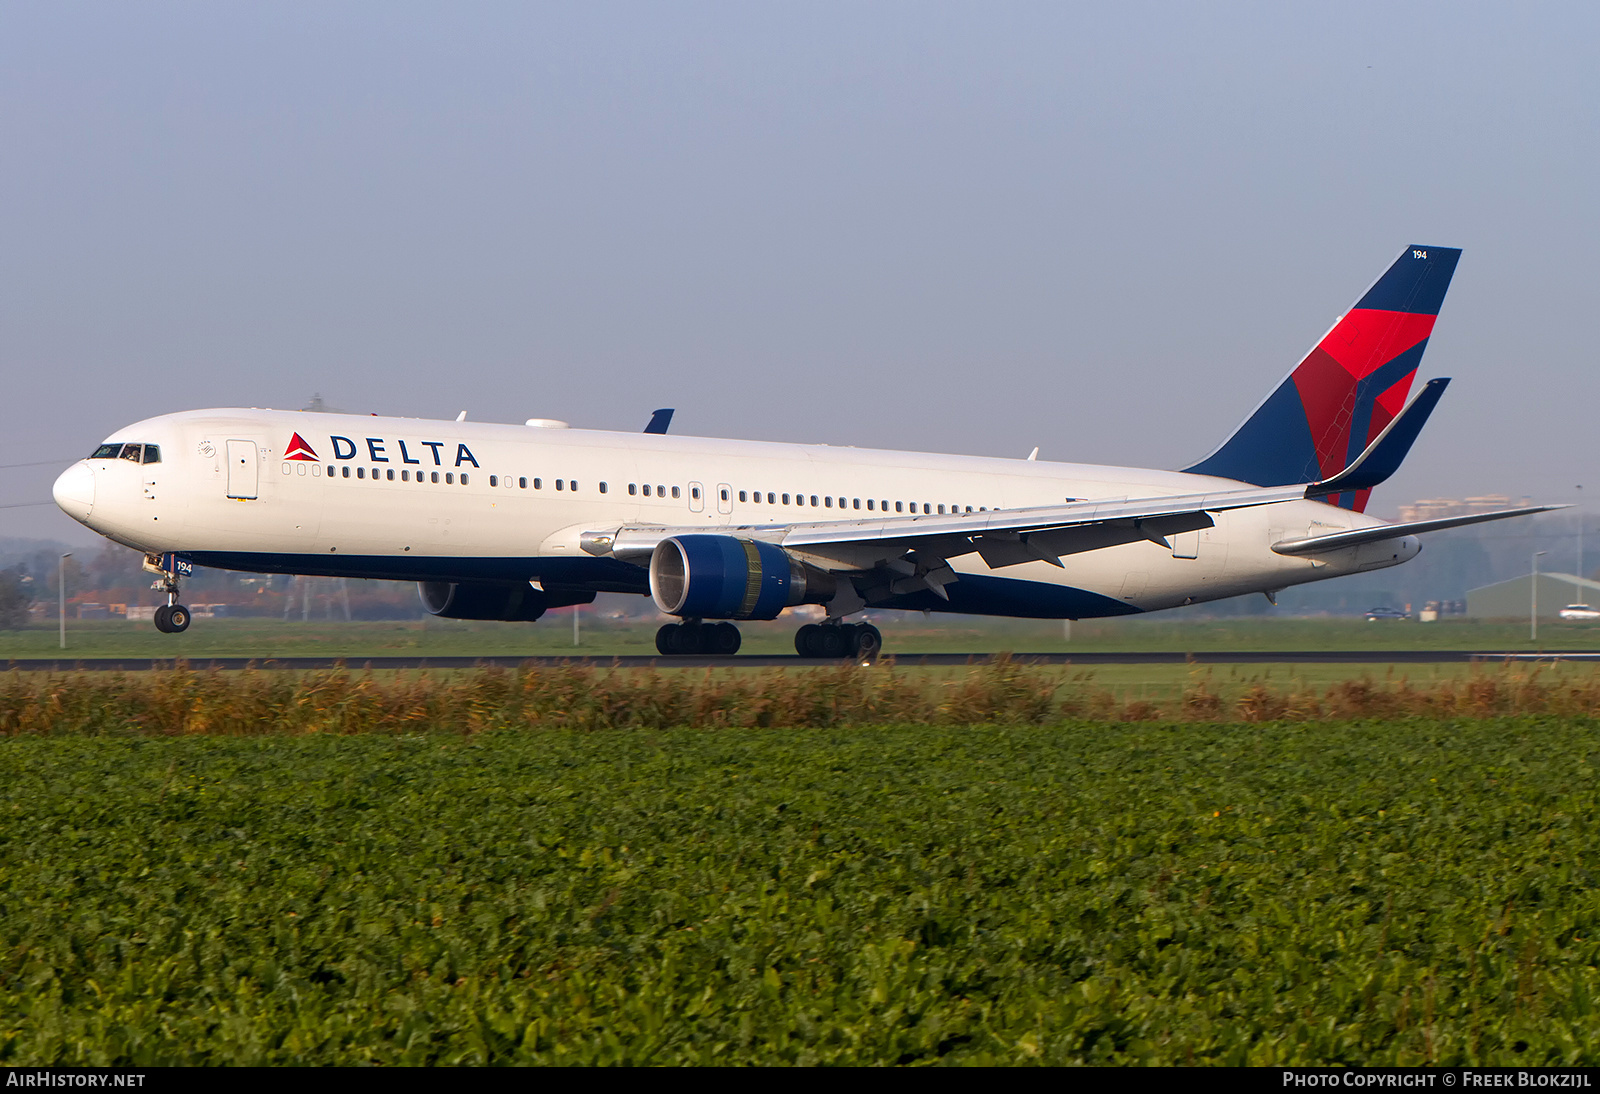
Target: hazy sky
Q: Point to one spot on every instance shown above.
(1106, 230)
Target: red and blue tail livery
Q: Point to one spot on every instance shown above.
(1346, 390)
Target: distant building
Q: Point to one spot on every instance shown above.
(1430, 508)
(1513, 599)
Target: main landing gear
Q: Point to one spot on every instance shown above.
(834, 641)
(857, 641)
(692, 636)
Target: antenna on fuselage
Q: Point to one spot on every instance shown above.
(1034, 455)
(462, 416)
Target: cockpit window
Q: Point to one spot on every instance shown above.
(135, 453)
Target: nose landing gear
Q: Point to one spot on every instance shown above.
(171, 617)
(857, 641)
(693, 636)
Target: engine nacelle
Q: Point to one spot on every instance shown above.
(724, 577)
(510, 602)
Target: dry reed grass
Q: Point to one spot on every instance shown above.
(182, 701)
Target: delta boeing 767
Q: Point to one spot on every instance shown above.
(507, 521)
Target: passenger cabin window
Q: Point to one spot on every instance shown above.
(433, 476)
(675, 492)
(560, 484)
(694, 492)
(647, 490)
(522, 484)
(538, 484)
(741, 495)
(603, 488)
(633, 488)
(405, 476)
(785, 498)
(494, 480)
(463, 478)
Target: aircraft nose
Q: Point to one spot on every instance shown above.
(74, 491)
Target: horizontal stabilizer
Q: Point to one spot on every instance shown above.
(1383, 456)
(1339, 540)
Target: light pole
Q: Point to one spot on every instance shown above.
(61, 591)
(1582, 596)
(1533, 597)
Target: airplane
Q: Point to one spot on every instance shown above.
(505, 521)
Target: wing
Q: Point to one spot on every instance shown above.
(920, 546)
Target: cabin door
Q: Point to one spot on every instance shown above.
(244, 470)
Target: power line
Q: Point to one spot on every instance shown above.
(35, 463)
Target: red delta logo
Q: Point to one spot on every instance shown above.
(299, 450)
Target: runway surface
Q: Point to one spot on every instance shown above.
(1249, 657)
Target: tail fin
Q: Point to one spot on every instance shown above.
(1337, 400)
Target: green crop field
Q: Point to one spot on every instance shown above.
(1406, 891)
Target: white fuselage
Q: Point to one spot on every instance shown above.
(415, 499)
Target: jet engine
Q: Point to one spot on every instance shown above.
(724, 577)
(511, 602)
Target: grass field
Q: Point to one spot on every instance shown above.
(903, 634)
(179, 701)
(1412, 891)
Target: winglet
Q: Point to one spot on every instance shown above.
(1383, 456)
(659, 421)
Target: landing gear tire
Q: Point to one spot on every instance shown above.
(866, 643)
(830, 642)
(722, 639)
(172, 619)
(805, 641)
(678, 639)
